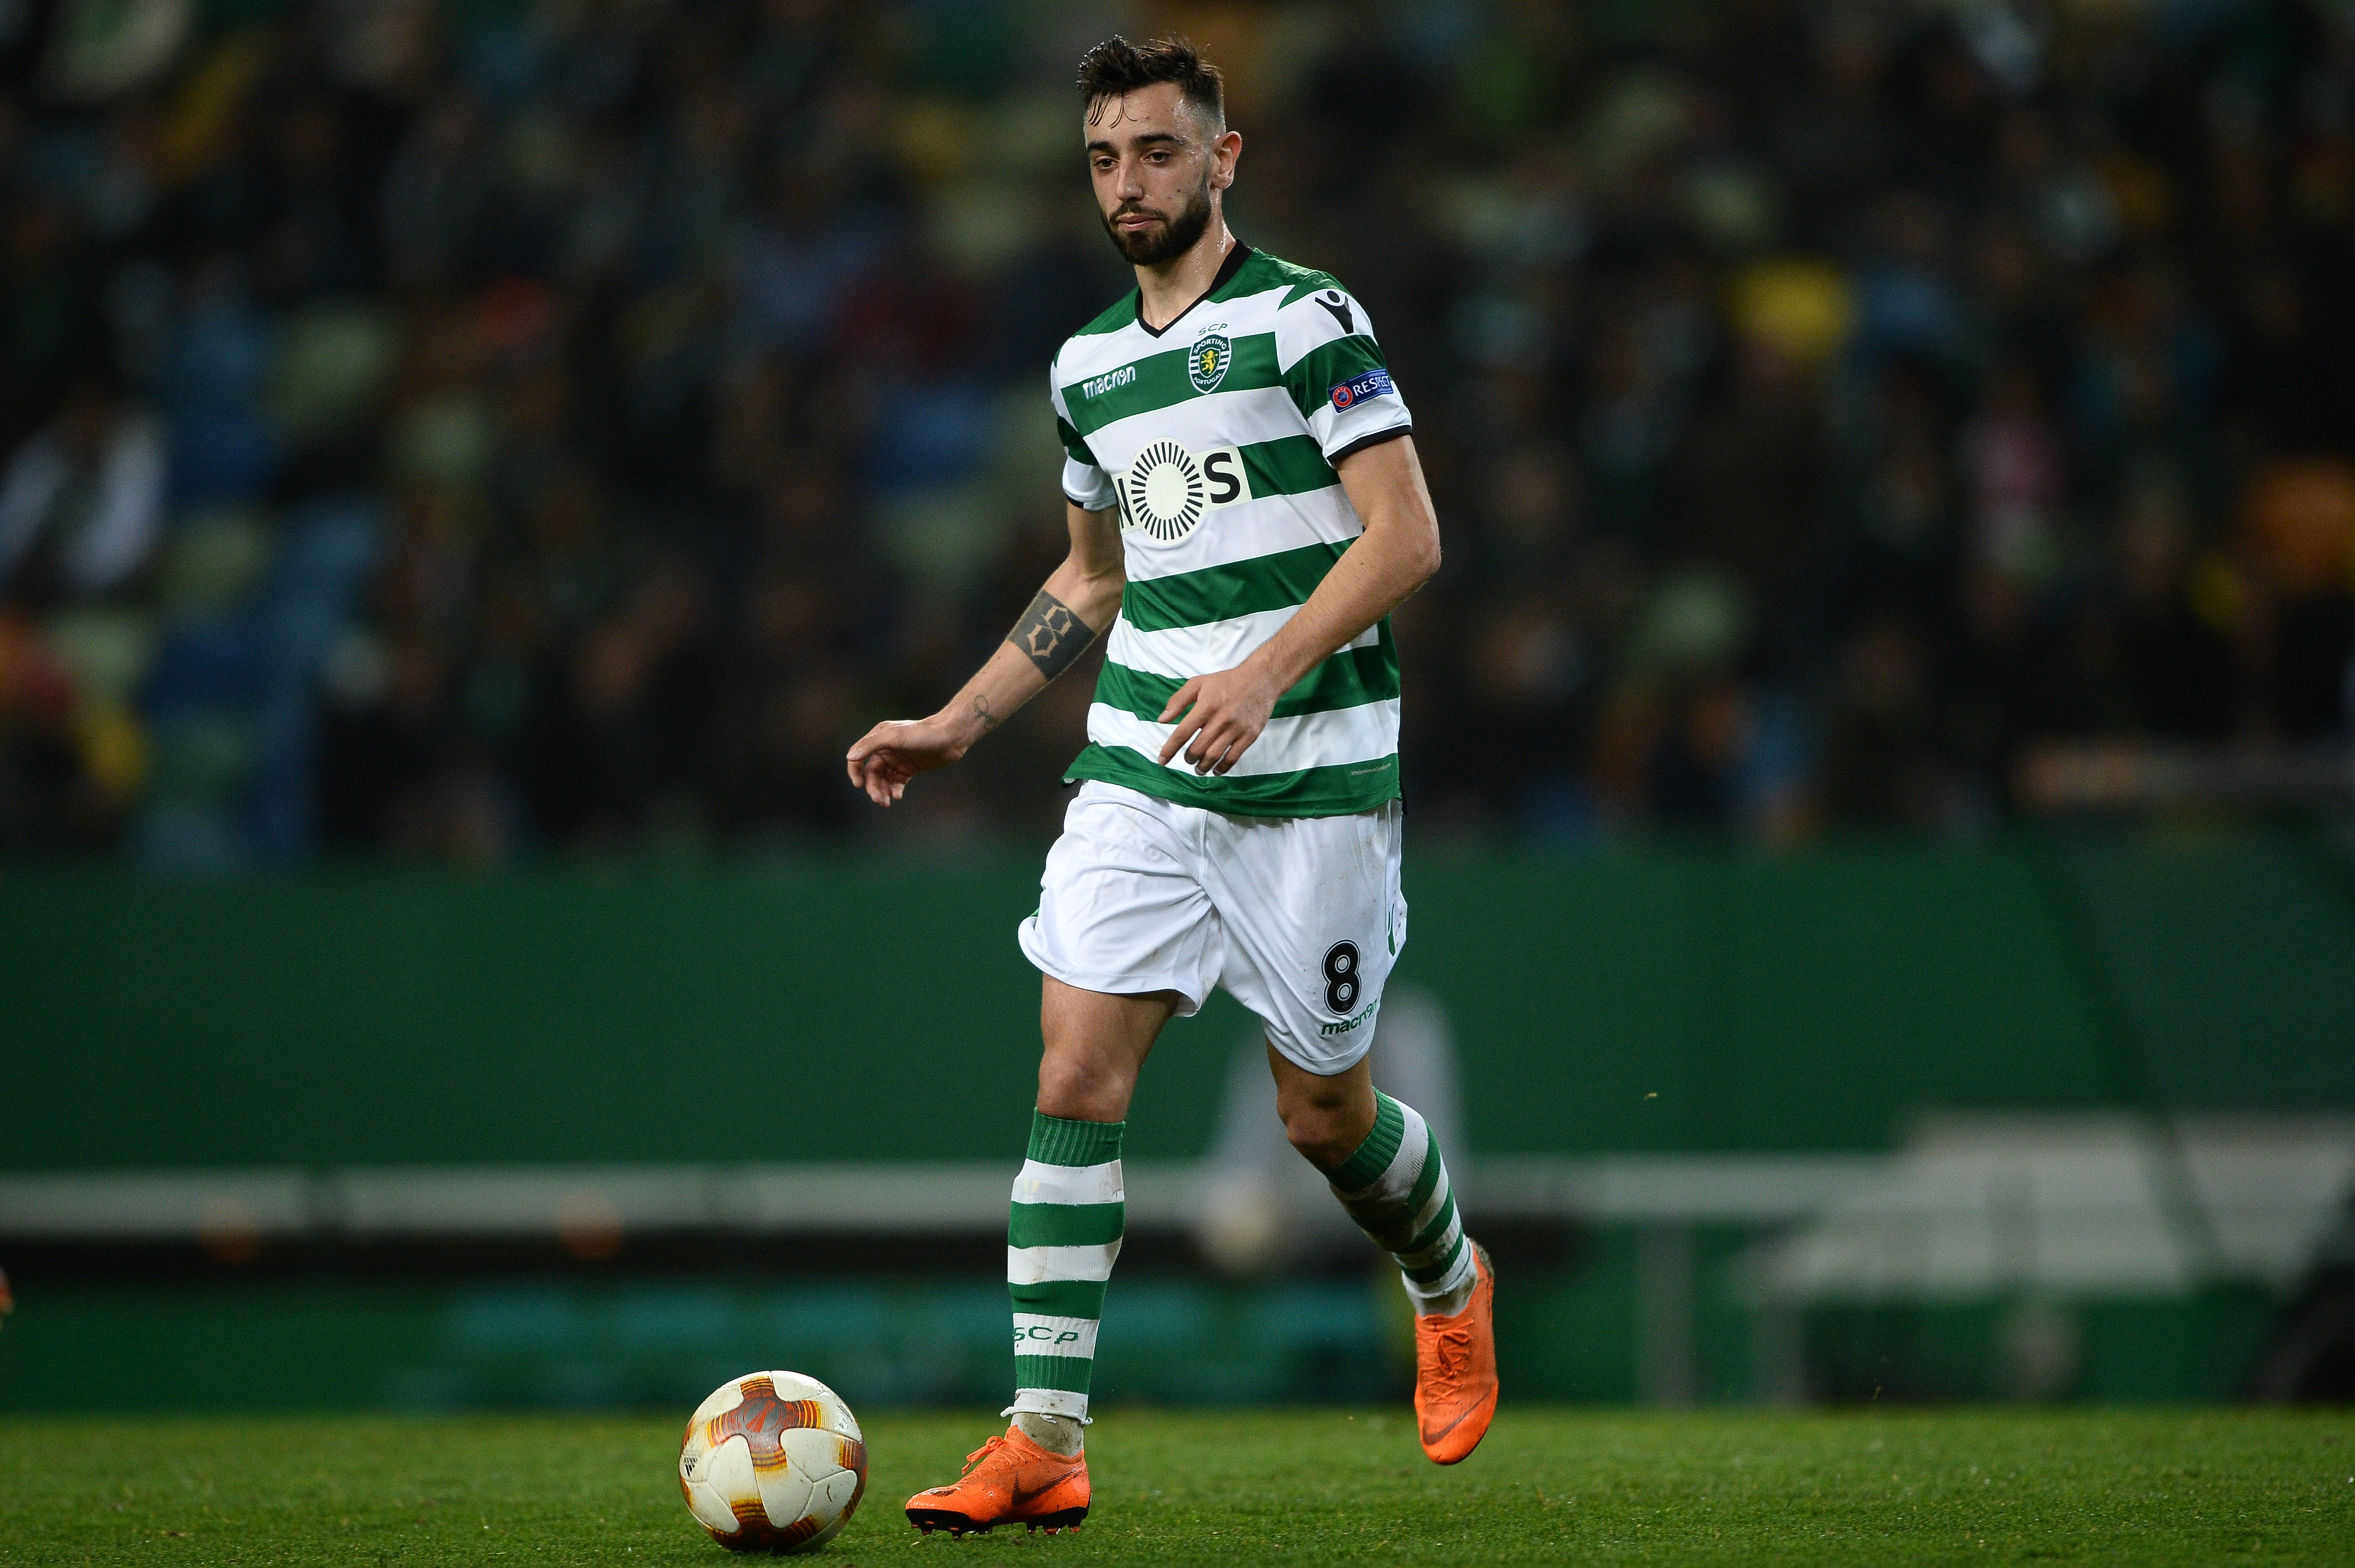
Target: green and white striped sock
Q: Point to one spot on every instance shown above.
(1395, 1187)
(1069, 1208)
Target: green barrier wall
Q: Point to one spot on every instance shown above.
(1664, 999)
(663, 1343)
(880, 1010)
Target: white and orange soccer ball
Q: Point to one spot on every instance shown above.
(773, 1462)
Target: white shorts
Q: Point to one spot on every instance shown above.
(1298, 917)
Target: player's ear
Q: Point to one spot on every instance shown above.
(1224, 151)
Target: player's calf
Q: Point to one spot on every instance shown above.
(1395, 1187)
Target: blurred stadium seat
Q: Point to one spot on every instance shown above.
(454, 431)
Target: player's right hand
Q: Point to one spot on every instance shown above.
(895, 751)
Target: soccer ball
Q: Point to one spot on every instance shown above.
(773, 1462)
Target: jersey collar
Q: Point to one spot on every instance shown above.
(1227, 270)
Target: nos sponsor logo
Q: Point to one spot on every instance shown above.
(1168, 491)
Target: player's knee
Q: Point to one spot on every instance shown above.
(1078, 1089)
(1318, 1129)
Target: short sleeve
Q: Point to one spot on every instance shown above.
(1332, 365)
(1085, 484)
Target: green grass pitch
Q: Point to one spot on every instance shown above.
(1310, 1486)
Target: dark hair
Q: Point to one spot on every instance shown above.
(1116, 67)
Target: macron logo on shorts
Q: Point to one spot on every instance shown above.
(1374, 383)
(1346, 1025)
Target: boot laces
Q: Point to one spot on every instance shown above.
(982, 1453)
(1452, 1343)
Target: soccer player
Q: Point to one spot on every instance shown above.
(1246, 509)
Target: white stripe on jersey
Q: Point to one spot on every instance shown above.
(1366, 733)
(1088, 488)
(1337, 428)
(1093, 354)
(1247, 531)
(1306, 325)
(1239, 418)
(1185, 652)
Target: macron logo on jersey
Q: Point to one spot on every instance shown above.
(1374, 383)
(1108, 381)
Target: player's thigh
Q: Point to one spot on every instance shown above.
(1122, 910)
(1071, 1018)
(1094, 1047)
(1314, 919)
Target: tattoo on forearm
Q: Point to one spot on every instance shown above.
(1051, 635)
(981, 711)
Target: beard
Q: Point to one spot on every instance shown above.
(1176, 236)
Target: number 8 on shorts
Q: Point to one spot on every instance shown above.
(1341, 977)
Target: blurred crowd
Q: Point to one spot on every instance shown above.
(497, 428)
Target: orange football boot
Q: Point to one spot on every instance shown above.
(1455, 1371)
(1007, 1480)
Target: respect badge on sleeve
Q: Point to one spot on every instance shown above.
(1373, 383)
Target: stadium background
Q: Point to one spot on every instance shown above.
(1878, 751)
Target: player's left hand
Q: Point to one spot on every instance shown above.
(1224, 714)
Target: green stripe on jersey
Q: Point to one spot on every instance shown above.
(1334, 791)
(1118, 317)
(1275, 582)
(1350, 678)
(1288, 466)
(1165, 379)
(1298, 281)
(1313, 376)
(1259, 273)
(1061, 1297)
(1064, 1224)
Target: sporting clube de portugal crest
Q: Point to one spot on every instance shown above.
(1207, 364)
(773, 1462)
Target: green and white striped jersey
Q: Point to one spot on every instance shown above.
(1216, 439)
